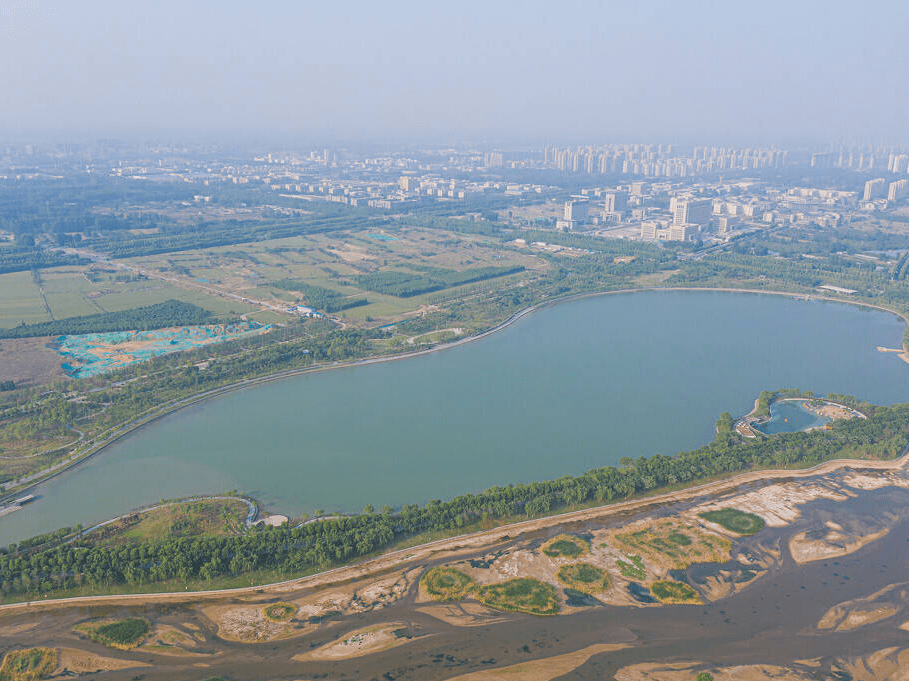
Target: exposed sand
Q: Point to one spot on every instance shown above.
(357, 643)
(858, 612)
(889, 664)
(451, 548)
(245, 623)
(836, 542)
(81, 662)
(542, 670)
(465, 614)
(688, 671)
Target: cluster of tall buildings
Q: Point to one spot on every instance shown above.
(658, 160)
(880, 188)
(862, 160)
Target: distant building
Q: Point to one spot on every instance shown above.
(615, 202)
(690, 211)
(897, 190)
(576, 211)
(494, 159)
(874, 189)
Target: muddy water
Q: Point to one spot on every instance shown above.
(772, 621)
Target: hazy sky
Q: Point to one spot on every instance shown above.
(684, 71)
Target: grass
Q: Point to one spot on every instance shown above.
(633, 569)
(734, 520)
(29, 664)
(584, 577)
(123, 634)
(668, 591)
(566, 546)
(210, 517)
(279, 612)
(674, 543)
(446, 584)
(523, 594)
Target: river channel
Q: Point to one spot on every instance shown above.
(570, 387)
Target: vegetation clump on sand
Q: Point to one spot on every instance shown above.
(673, 543)
(566, 546)
(124, 634)
(29, 664)
(523, 594)
(446, 584)
(279, 612)
(584, 577)
(668, 591)
(633, 569)
(734, 520)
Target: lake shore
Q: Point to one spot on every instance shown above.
(88, 450)
(410, 557)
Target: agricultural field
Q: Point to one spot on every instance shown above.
(342, 262)
(72, 291)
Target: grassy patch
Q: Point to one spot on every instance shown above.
(446, 584)
(566, 546)
(633, 568)
(29, 664)
(279, 612)
(735, 520)
(584, 577)
(209, 517)
(673, 544)
(668, 591)
(123, 634)
(521, 595)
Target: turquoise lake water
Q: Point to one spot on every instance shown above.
(571, 387)
(790, 416)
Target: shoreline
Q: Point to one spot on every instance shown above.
(424, 552)
(159, 412)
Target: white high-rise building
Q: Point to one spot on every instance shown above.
(874, 189)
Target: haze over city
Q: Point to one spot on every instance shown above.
(516, 72)
(454, 341)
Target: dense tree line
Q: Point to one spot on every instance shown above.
(319, 297)
(408, 284)
(884, 434)
(22, 259)
(169, 313)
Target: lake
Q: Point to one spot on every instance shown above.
(571, 387)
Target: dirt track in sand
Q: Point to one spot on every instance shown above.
(471, 542)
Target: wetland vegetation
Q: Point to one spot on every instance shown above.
(584, 577)
(523, 594)
(446, 584)
(29, 664)
(734, 520)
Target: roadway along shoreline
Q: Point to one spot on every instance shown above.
(30, 483)
(474, 540)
